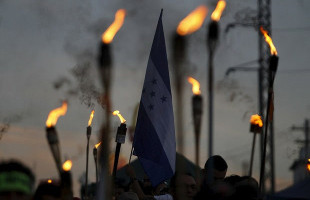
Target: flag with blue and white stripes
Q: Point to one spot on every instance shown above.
(154, 139)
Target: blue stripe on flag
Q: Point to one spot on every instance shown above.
(151, 158)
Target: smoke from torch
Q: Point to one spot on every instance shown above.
(193, 21)
(108, 35)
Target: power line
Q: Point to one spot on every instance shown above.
(293, 29)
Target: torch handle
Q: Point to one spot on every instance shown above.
(117, 151)
(96, 165)
(86, 179)
(262, 167)
(252, 154)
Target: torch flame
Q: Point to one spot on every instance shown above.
(308, 165)
(116, 112)
(91, 117)
(55, 114)
(193, 21)
(97, 145)
(67, 165)
(196, 85)
(49, 181)
(108, 35)
(268, 39)
(217, 13)
(257, 120)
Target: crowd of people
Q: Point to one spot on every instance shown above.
(17, 183)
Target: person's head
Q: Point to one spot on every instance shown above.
(48, 190)
(16, 181)
(185, 184)
(216, 167)
(246, 189)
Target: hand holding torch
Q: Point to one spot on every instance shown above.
(255, 127)
(51, 133)
(120, 139)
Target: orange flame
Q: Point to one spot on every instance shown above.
(97, 145)
(91, 117)
(55, 114)
(308, 165)
(256, 120)
(193, 21)
(116, 112)
(67, 165)
(217, 13)
(49, 181)
(108, 35)
(196, 85)
(268, 39)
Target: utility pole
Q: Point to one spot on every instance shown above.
(263, 18)
(304, 128)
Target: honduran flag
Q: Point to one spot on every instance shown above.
(154, 139)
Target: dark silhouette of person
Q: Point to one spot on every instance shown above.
(214, 173)
(16, 181)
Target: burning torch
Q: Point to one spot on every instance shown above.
(88, 133)
(95, 158)
(51, 133)
(213, 34)
(187, 26)
(273, 65)
(66, 181)
(197, 113)
(105, 65)
(308, 165)
(256, 127)
(120, 139)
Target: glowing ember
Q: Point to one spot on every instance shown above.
(256, 120)
(116, 112)
(97, 145)
(196, 85)
(217, 13)
(108, 35)
(308, 165)
(193, 21)
(67, 165)
(91, 117)
(268, 39)
(49, 181)
(55, 114)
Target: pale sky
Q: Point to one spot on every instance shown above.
(42, 41)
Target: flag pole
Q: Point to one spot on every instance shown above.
(130, 154)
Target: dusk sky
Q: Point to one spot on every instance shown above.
(43, 42)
